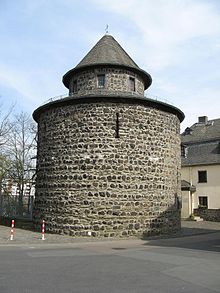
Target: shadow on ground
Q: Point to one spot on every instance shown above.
(191, 238)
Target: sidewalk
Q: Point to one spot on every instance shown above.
(189, 228)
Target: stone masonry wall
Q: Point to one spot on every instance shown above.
(116, 80)
(89, 180)
(212, 215)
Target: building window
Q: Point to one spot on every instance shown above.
(183, 151)
(187, 131)
(202, 176)
(74, 86)
(203, 202)
(101, 80)
(132, 84)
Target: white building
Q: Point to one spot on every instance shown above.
(200, 170)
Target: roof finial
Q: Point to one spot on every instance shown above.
(106, 29)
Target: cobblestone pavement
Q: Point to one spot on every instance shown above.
(21, 236)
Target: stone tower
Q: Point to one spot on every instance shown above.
(108, 160)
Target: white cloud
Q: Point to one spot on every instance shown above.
(14, 79)
(165, 26)
(176, 41)
(33, 88)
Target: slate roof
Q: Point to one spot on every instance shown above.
(202, 132)
(107, 52)
(202, 144)
(121, 97)
(185, 185)
(202, 154)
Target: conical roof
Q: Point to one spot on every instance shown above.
(107, 51)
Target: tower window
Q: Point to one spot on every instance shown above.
(202, 176)
(132, 84)
(74, 86)
(101, 80)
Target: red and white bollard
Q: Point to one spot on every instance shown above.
(43, 230)
(12, 229)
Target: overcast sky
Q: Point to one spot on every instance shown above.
(176, 41)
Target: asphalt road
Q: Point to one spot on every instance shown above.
(185, 264)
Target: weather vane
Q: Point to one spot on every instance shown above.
(106, 29)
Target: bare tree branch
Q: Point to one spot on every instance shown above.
(21, 148)
(5, 124)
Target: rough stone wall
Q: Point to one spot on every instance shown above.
(212, 215)
(116, 80)
(89, 180)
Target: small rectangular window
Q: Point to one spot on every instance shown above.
(74, 86)
(183, 151)
(101, 80)
(203, 202)
(132, 84)
(202, 176)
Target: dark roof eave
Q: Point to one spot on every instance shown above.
(209, 163)
(146, 76)
(186, 186)
(191, 188)
(117, 99)
(199, 140)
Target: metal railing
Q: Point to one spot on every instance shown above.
(104, 92)
(159, 99)
(9, 207)
(60, 97)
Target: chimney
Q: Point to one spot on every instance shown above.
(203, 119)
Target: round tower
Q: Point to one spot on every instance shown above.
(108, 161)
